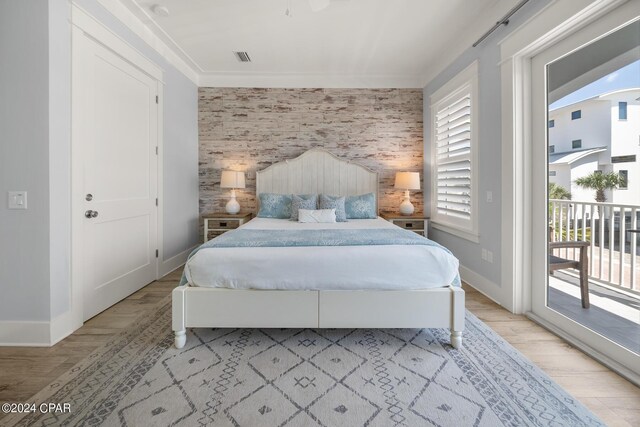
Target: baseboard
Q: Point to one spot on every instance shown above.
(480, 283)
(46, 334)
(174, 262)
(589, 351)
(24, 334)
(63, 326)
(37, 334)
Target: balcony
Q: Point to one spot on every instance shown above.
(614, 267)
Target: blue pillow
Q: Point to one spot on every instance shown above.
(334, 202)
(302, 201)
(362, 206)
(274, 205)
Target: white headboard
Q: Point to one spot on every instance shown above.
(317, 171)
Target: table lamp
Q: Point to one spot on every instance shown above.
(407, 181)
(233, 180)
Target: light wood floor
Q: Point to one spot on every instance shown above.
(24, 371)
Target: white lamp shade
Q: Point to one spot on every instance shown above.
(232, 179)
(408, 180)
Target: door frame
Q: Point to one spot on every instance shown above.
(85, 25)
(554, 23)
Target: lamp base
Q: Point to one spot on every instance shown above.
(232, 207)
(406, 208)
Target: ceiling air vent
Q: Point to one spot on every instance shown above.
(242, 56)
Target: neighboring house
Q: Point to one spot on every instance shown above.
(598, 134)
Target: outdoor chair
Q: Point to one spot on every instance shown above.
(582, 264)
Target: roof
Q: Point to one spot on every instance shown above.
(569, 157)
(603, 97)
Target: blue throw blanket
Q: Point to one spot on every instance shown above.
(248, 238)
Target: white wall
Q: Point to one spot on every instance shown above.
(24, 160)
(181, 188)
(594, 128)
(625, 137)
(59, 156)
(489, 156)
(35, 119)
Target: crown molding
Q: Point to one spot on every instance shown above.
(172, 54)
(304, 80)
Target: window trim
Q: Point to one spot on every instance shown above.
(465, 81)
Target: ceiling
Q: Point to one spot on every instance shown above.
(400, 43)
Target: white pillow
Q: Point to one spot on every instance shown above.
(317, 215)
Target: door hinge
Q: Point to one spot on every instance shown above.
(156, 253)
(156, 99)
(156, 201)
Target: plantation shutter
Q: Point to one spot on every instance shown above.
(453, 157)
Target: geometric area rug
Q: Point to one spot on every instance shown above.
(306, 377)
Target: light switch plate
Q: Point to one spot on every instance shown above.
(17, 199)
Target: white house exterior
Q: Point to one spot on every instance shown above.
(597, 135)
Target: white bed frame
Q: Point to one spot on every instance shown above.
(317, 171)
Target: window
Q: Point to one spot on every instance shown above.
(624, 159)
(624, 179)
(552, 123)
(552, 149)
(576, 143)
(454, 147)
(552, 173)
(575, 115)
(622, 111)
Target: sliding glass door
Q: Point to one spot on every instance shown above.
(586, 178)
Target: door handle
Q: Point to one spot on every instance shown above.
(91, 214)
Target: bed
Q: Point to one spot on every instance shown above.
(276, 273)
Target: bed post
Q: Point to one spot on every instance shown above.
(457, 316)
(178, 315)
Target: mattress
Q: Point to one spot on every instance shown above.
(366, 267)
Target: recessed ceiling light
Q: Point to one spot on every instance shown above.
(160, 10)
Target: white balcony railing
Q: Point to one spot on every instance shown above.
(611, 229)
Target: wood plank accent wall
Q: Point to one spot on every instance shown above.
(248, 129)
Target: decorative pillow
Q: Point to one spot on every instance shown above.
(317, 215)
(275, 205)
(302, 201)
(334, 202)
(362, 206)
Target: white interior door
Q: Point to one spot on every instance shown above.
(116, 119)
(616, 355)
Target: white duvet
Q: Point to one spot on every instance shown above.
(383, 267)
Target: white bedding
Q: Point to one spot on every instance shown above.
(388, 267)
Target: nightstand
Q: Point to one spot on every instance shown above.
(217, 223)
(416, 223)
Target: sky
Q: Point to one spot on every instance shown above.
(624, 78)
